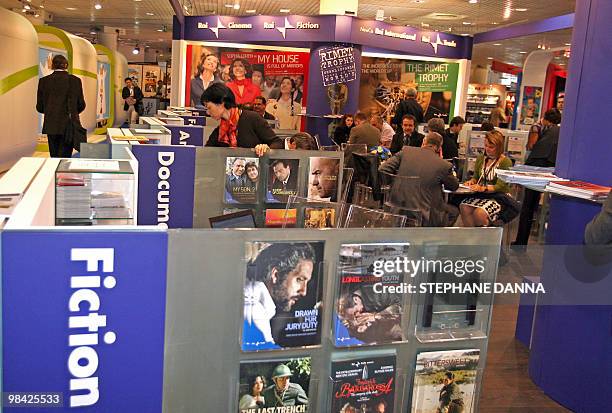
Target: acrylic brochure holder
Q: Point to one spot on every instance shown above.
(205, 311)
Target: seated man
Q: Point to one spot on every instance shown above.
(364, 132)
(386, 131)
(430, 174)
(408, 136)
(450, 147)
(259, 106)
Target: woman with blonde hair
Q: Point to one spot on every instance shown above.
(481, 209)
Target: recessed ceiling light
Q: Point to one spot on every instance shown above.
(251, 11)
(71, 8)
(473, 1)
(496, 44)
(150, 14)
(523, 52)
(229, 6)
(424, 24)
(464, 34)
(418, 1)
(494, 23)
(285, 10)
(27, 7)
(467, 23)
(490, 58)
(568, 44)
(98, 6)
(160, 30)
(236, 5)
(520, 9)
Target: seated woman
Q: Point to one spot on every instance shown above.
(302, 140)
(480, 210)
(237, 127)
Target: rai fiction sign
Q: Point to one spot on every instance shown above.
(337, 64)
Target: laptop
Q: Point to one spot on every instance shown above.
(240, 219)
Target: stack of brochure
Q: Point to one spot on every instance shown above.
(579, 189)
(534, 177)
(72, 197)
(109, 205)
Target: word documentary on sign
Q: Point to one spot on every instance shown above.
(337, 65)
(165, 185)
(83, 319)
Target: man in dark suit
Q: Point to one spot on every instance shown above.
(58, 94)
(364, 132)
(424, 175)
(544, 154)
(408, 136)
(132, 95)
(285, 180)
(408, 106)
(450, 146)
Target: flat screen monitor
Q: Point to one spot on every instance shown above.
(240, 219)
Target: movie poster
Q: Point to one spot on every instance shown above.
(445, 381)
(274, 386)
(103, 92)
(319, 218)
(530, 107)
(367, 313)
(151, 75)
(282, 180)
(135, 73)
(363, 385)
(281, 218)
(281, 77)
(241, 179)
(283, 295)
(384, 82)
(323, 179)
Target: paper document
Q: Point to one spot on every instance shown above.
(93, 165)
(148, 131)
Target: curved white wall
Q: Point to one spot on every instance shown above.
(121, 72)
(18, 116)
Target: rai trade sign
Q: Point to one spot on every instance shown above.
(83, 322)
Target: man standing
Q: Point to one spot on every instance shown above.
(498, 114)
(544, 154)
(285, 180)
(364, 132)
(429, 173)
(408, 106)
(450, 147)
(259, 106)
(451, 399)
(283, 392)
(59, 97)
(408, 136)
(386, 131)
(132, 95)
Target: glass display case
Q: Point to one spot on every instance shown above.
(94, 192)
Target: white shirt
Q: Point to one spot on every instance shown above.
(386, 135)
(259, 307)
(281, 110)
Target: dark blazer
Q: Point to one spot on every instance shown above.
(282, 192)
(424, 193)
(365, 133)
(399, 141)
(253, 130)
(125, 93)
(52, 100)
(599, 230)
(450, 147)
(341, 134)
(408, 107)
(544, 152)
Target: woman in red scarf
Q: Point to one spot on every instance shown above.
(244, 89)
(237, 127)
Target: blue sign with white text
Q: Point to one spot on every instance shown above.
(84, 320)
(186, 135)
(194, 120)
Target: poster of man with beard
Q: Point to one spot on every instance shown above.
(282, 295)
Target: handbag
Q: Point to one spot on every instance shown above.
(75, 133)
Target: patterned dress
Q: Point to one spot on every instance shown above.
(486, 176)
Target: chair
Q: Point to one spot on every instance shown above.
(360, 217)
(354, 148)
(397, 192)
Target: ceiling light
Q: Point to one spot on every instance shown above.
(27, 7)
(490, 58)
(36, 15)
(424, 24)
(464, 34)
(229, 6)
(467, 23)
(494, 23)
(23, 10)
(568, 44)
(160, 30)
(285, 10)
(473, 1)
(42, 6)
(520, 9)
(150, 14)
(418, 1)
(236, 5)
(71, 8)
(92, 31)
(136, 50)
(523, 52)
(496, 44)
(251, 11)
(97, 6)
(507, 12)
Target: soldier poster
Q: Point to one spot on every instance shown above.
(282, 180)
(366, 312)
(241, 179)
(319, 218)
(282, 295)
(323, 178)
(363, 385)
(445, 381)
(274, 386)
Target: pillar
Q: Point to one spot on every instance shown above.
(108, 39)
(571, 354)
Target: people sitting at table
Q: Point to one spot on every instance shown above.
(450, 147)
(237, 127)
(543, 154)
(408, 136)
(364, 132)
(342, 132)
(386, 131)
(430, 174)
(481, 209)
